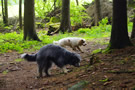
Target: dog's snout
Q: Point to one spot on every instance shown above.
(84, 44)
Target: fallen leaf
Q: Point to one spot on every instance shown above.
(106, 83)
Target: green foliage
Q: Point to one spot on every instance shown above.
(40, 8)
(130, 26)
(131, 3)
(103, 30)
(5, 72)
(77, 13)
(14, 41)
(107, 50)
(54, 19)
(18, 60)
(84, 30)
(8, 27)
(43, 8)
(96, 51)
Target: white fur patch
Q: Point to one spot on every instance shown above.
(23, 55)
(69, 41)
(56, 42)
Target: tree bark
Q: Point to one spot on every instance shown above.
(97, 14)
(20, 14)
(5, 11)
(119, 34)
(65, 21)
(3, 14)
(77, 2)
(29, 21)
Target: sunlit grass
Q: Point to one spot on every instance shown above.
(14, 42)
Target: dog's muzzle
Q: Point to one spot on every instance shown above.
(84, 44)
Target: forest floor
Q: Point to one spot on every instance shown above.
(112, 71)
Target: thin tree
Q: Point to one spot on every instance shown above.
(20, 14)
(4, 5)
(77, 2)
(97, 13)
(6, 11)
(29, 21)
(65, 21)
(54, 4)
(119, 34)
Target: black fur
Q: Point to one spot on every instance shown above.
(53, 54)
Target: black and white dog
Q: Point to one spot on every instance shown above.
(53, 54)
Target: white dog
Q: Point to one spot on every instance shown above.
(73, 42)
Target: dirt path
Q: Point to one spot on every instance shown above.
(114, 71)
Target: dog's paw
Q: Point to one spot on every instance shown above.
(67, 71)
(82, 52)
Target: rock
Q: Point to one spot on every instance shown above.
(79, 86)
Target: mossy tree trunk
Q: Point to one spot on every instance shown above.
(29, 21)
(65, 21)
(119, 34)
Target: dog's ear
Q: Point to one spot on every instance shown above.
(81, 42)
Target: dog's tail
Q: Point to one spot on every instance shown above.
(29, 57)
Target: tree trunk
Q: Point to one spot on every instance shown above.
(77, 2)
(29, 21)
(97, 14)
(5, 11)
(54, 4)
(65, 21)
(20, 14)
(3, 14)
(119, 34)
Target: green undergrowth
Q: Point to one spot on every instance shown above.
(14, 41)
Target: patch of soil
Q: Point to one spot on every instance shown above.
(108, 71)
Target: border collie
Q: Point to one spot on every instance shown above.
(53, 54)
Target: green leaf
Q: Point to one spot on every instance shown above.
(104, 80)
